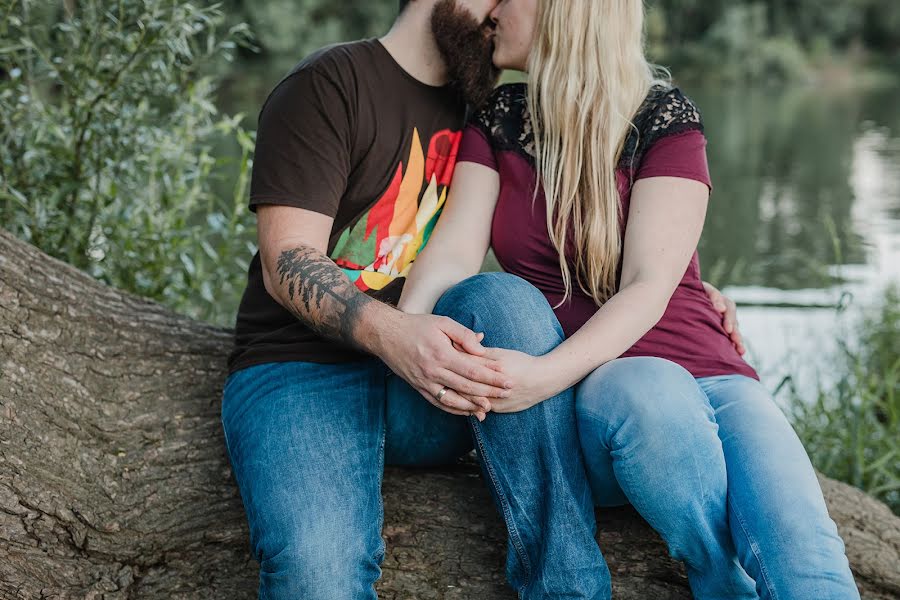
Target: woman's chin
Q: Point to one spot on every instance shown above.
(497, 58)
(502, 61)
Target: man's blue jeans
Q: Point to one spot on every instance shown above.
(308, 443)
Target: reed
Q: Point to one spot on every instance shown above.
(851, 429)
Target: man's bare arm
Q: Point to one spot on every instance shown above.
(300, 277)
(321, 295)
(418, 348)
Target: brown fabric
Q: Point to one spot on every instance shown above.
(349, 134)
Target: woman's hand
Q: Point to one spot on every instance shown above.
(531, 378)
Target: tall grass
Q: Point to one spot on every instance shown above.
(852, 428)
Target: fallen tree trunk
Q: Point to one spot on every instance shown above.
(114, 481)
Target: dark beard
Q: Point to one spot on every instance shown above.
(467, 49)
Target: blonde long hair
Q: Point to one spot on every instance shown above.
(587, 77)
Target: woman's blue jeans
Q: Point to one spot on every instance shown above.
(714, 466)
(711, 464)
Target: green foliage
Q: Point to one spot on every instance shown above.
(740, 39)
(314, 23)
(769, 40)
(107, 137)
(852, 429)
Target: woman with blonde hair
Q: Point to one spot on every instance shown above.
(591, 184)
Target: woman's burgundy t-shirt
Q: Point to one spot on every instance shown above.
(669, 142)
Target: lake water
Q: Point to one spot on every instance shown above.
(805, 212)
(805, 215)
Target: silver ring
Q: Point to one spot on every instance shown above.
(441, 393)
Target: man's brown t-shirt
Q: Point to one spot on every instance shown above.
(349, 134)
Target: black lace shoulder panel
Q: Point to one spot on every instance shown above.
(506, 122)
(665, 112)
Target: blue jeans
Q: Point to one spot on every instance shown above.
(308, 443)
(714, 466)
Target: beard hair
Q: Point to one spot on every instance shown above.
(467, 50)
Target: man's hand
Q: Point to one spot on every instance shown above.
(728, 309)
(432, 352)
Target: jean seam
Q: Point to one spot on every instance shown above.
(504, 504)
(227, 446)
(379, 555)
(753, 548)
(225, 438)
(225, 429)
(250, 516)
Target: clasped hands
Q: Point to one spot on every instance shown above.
(447, 363)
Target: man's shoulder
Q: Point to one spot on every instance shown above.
(337, 59)
(331, 70)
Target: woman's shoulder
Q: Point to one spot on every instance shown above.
(667, 109)
(512, 92)
(504, 118)
(506, 101)
(665, 112)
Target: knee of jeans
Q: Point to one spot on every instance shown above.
(490, 289)
(511, 312)
(651, 392)
(328, 565)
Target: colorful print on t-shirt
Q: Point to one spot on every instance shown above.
(384, 242)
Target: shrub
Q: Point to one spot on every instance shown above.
(107, 138)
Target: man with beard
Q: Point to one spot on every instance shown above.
(354, 155)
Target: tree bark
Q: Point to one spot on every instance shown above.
(114, 482)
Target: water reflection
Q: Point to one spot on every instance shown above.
(806, 209)
(781, 164)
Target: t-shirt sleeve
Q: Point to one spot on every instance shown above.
(475, 147)
(680, 155)
(302, 155)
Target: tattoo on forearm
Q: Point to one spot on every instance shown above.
(320, 294)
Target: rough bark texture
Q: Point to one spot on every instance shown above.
(114, 481)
